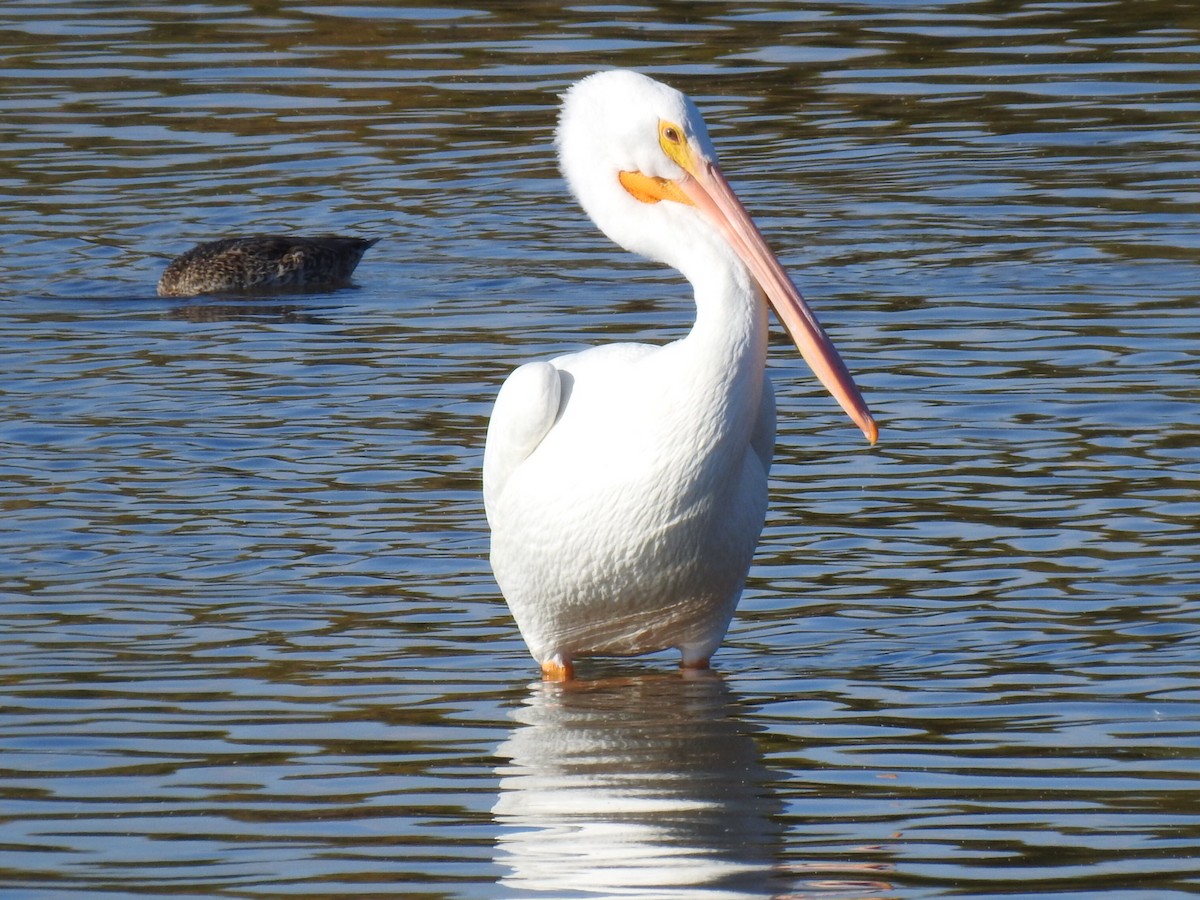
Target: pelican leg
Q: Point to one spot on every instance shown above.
(557, 669)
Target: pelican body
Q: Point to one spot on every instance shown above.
(626, 485)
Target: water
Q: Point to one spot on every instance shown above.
(251, 646)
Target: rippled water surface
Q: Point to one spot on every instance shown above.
(249, 642)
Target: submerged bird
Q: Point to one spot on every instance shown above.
(626, 485)
(263, 263)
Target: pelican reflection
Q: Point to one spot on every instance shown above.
(651, 785)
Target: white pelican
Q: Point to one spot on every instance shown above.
(626, 485)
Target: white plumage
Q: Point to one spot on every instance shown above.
(626, 485)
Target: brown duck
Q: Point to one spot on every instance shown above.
(263, 263)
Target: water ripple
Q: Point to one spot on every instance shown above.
(251, 643)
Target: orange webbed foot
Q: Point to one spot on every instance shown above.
(696, 669)
(556, 670)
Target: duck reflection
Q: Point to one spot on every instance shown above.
(652, 786)
(206, 312)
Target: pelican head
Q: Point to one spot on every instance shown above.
(638, 157)
(625, 142)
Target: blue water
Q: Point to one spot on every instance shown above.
(249, 641)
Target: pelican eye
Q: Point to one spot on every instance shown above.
(673, 142)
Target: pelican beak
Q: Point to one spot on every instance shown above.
(706, 188)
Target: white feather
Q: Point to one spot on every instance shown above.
(626, 485)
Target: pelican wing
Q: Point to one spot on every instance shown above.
(525, 410)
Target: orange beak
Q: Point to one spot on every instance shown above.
(705, 188)
(711, 194)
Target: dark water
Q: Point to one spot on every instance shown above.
(249, 642)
